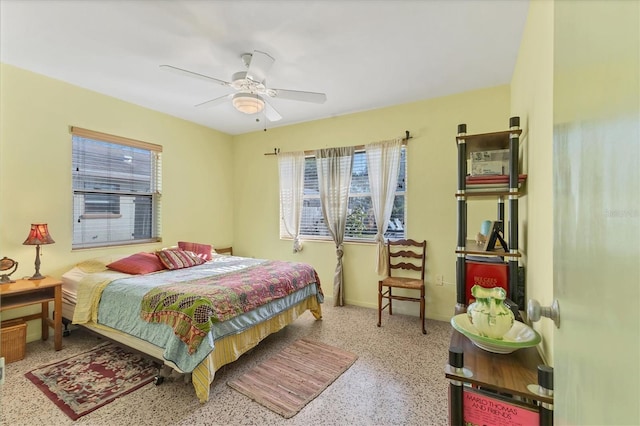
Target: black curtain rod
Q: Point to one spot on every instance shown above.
(406, 138)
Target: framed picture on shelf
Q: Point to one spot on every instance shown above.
(495, 236)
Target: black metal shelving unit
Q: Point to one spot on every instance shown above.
(467, 143)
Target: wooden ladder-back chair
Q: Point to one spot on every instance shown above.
(407, 255)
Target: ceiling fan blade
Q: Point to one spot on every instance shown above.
(259, 66)
(213, 102)
(296, 95)
(271, 113)
(181, 71)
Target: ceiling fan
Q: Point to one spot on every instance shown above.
(251, 87)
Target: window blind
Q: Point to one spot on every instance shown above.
(116, 185)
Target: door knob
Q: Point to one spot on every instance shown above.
(535, 311)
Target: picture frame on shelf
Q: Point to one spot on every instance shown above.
(495, 236)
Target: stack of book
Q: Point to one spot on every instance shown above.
(491, 182)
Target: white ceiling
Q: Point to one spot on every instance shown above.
(363, 54)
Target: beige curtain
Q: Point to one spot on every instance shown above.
(334, 179)
(291, 173)
(383, 163)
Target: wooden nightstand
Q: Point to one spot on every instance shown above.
(29, 292)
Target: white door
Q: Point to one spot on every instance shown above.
(597, 212)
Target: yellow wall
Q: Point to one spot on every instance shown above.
(532, 98)
(35, 171)
(224, 190)
(578, 68)
(431, 183)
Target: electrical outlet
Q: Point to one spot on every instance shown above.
(439, 279)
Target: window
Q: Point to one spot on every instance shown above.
(361, 225)
(116, 190)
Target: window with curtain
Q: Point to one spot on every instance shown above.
(116, 190)
(361, 224)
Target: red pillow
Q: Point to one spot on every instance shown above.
(136, 264)
(178, 258)
(201, 250)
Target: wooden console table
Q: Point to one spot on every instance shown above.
(506, 376)
(30, 292)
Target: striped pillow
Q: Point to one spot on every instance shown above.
(178, 258)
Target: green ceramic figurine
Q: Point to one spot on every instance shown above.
(488, 314)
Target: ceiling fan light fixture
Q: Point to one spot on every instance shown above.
(248, 103)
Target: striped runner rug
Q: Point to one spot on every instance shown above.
(292, 378)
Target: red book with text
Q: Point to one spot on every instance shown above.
(487, 275)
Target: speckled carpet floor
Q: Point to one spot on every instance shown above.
(398, 379)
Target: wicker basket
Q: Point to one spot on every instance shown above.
(14, 340)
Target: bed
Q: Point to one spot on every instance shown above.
(193, 318)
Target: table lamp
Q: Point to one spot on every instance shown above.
(39, 234)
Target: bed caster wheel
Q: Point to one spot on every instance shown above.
(159, 380)
(66, 333)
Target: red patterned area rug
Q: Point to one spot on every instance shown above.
(90, 380)
(292, 378)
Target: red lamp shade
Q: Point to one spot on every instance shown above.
(38, 235)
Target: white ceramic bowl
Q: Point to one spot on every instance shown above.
(519, 336)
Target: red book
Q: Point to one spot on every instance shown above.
(486, 275)
(496, 180)
(483, 408)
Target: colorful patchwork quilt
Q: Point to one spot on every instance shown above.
(191, 307)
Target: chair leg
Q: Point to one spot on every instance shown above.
(379, 303)
(390, 300)
(424, 330)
